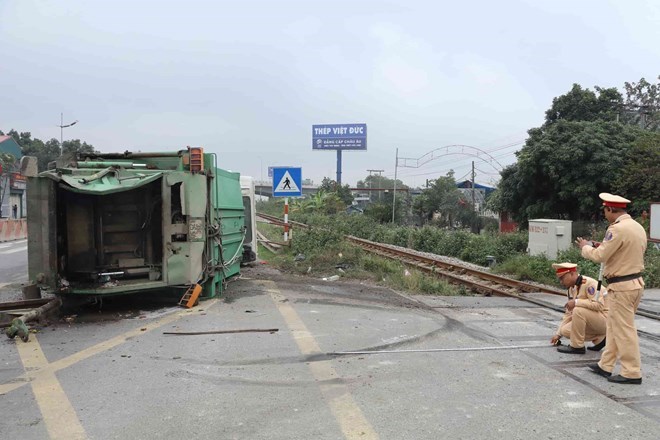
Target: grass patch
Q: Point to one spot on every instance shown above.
(319, 253)
(271, 232)
(528, 268)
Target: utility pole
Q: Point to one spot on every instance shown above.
(396, 165)
(380, 183)
(474, 204)
(371, 182)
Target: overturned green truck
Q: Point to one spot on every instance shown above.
(147, 223)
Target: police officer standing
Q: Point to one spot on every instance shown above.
(622, 253)
(586, 312)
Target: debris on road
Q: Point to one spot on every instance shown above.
(215, 332)
(18, 326)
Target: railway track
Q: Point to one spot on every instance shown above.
(278, 221)
(270, 245)
(480, 281)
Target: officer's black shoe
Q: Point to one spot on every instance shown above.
(597, 347)
(570, 349)
(596, 369)
(626, 380)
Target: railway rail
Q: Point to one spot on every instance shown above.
(278, 221)
(481, 281)
(270, 245)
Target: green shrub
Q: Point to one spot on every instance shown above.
(425, 239)
(478, 248)
(573, 255)
(312, 240)
(510, 244)
(528, 268)
(652, 267)
(490, 225)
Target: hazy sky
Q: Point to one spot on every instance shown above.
(248, 79)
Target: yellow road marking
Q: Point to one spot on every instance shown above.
(52, 368)
(59, 416)
(353, 423)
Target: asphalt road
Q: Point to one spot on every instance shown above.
(13, 262)
(110, 372)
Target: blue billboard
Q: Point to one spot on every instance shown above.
(339, 137)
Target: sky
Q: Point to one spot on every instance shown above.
(248, 79)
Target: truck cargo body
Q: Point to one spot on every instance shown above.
(135, 222)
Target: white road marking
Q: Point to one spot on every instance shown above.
(11, 251)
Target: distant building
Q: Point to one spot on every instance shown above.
(12, 183)
(481, 192)
(506, 223)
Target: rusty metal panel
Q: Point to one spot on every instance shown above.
(81, 252)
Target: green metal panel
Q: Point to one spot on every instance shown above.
(107, 181)
(185, 262)
(229, 212)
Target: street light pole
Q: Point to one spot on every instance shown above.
(62, 127)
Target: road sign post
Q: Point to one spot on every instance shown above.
(286, 219)
(287, 182)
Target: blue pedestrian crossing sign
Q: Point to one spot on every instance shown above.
(287, 182)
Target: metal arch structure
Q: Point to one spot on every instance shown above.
(408, 162)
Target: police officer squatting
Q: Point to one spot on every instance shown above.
(586, 311)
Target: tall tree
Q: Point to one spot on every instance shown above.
(639, 178)
(583, 148)
(643, 104)
(584, 105)
(443, 198)
(51, 150)
(74, 147)
(562, 167)
(342, 192)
